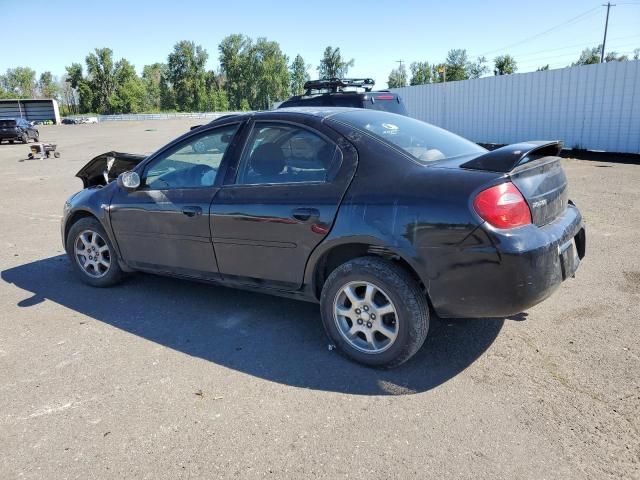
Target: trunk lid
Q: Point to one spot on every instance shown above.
(535, 169)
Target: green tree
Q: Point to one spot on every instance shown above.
(47, 85)
(614, 57)
(478, 68)
(332, 65)
(101, 79)
(20, 82)
(420, 73)
(457, 64)
(398, 77)
(129, 95)
(269, 73)
(186, 74)
(636, 53)
(589, 56)
(299, 75)
(152, 76)
(504, 65)
(217, 100)
(256, 74)
(543, 68)
(75, 78)
(234, 65)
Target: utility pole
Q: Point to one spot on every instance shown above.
(606, 25)
(400, 62)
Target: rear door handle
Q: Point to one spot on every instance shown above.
(304, 214)
(192, 211)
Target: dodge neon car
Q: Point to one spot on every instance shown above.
(382, 219)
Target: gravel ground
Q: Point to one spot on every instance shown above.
(161, 378)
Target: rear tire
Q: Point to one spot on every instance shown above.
(374, 312)
(92, 255)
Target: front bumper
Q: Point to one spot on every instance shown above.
(502, 273)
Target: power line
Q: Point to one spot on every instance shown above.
(535, 59)
(572, 47)
(528, 39)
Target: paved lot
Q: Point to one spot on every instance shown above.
(160, 378)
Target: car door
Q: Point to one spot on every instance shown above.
(282, 202)
(164, 224)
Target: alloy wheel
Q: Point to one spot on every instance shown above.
(366, 317)
(92, 254)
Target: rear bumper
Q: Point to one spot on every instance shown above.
(10, 135)
(501, 274)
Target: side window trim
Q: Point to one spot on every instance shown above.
(175, 147)
(248, 142)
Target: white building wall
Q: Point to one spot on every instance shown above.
(596, 107)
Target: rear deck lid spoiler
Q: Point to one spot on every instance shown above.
(507, 158)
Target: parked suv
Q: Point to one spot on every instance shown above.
(332, 93)
(13, 129)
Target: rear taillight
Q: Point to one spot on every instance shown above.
(384, 97)
(503, 206)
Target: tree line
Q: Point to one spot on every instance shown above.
(458, 66)
(252, 75)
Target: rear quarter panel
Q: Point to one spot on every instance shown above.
(420, 213)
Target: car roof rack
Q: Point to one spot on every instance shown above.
(335, 85)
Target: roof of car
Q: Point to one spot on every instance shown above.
(320, 112)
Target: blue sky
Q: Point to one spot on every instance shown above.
(376, 36)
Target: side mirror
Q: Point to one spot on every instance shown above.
(129, 180)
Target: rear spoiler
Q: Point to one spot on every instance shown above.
(509, 157)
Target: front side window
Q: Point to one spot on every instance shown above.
(191, 164)
(283, 153)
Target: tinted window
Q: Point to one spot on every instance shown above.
(194, 163)
(7, 123)
(386, 102)
(282, 153)
(424, 142)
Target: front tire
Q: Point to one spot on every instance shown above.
(25, 138)
(92, 255)
(374, 312)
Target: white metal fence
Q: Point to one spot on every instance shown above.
(159, 116)
(596, 107)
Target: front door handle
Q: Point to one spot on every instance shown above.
(192, 211)
(304, 214)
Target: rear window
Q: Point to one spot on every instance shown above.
(7, 123)
(424, 142)
(386, 102)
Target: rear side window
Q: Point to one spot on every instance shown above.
(283, 153)
(424, 142)
(7, 123)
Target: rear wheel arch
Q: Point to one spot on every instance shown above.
(337, 255)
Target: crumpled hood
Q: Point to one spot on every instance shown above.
(106, 167)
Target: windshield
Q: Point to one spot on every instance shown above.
(424, 142)
(7, 123)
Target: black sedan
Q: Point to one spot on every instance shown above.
(380, 218)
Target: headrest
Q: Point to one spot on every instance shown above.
(268, 159)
